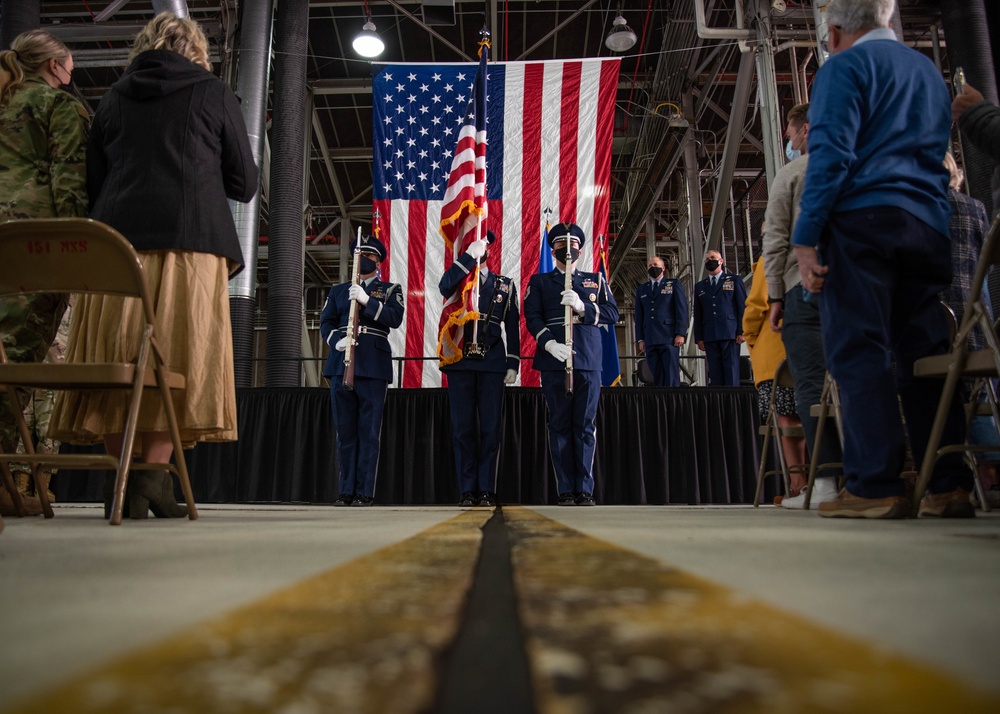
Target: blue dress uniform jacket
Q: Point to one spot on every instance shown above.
(475, 386)
(544, 316)
(572, 418)
(660, 317)
(718, 319)
(499, 314)
(373, 357)
(357, 413)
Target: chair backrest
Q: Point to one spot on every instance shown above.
(783, 375)
(78, 255)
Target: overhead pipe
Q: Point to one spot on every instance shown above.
(252, 64)
(286, 244)
(177, 7)
(716, 33)
(18, 17)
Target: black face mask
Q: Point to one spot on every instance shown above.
(711, 264)
(574, 254)
(654, 272)
(368, 265)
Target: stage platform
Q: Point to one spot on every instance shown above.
(686, 445)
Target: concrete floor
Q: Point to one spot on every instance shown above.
(75, 593)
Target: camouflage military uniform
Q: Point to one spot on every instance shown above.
(39, 408)
(43, 144)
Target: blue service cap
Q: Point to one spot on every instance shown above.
(370, 244)
(562, 231)
(491, 237)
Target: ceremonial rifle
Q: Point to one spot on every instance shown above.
(353, 318)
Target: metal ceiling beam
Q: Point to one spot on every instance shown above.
(324, 151)
(662, 166)
(757, 143)
(110, 10)
(430, 30)
(734, 136)
(554, 30)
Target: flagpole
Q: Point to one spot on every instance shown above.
(484, 44)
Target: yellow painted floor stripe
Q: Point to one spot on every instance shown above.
(609, 630)
(363, 637)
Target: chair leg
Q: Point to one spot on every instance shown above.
(15, 496)
(181, 462)
(762, 469)
(937, 430)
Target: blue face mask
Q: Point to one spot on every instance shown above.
(791, 153)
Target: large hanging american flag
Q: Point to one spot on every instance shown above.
(549, 127)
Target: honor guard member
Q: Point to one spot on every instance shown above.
(357, 412)
(718, 321)
(476, 381)
(572, 417)
(661, 321)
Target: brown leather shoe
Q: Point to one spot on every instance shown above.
(847, 505)
(951, 504)
(32, 506)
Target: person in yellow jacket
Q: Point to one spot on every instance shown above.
(766, 353)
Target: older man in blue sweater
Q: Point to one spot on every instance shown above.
(872, 235)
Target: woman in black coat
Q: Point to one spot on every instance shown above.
(168, 146)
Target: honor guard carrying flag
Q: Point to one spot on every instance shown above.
(571, 375)
(489, 360)
(661, 321)
(358, 403)
(719, 300)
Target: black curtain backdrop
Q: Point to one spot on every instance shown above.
(654, 445)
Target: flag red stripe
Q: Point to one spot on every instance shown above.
(569, 141)
(531, 208)
(605, 134)
(416, 298)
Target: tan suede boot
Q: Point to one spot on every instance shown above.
(32, 506)
(44, 479)
(22, 480)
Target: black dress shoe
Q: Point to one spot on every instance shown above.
(487, 498)
(585, 499)
(344, 499)
(567, 499)
(468, 499)
(360, 500)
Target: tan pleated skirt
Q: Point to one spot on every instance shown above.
(191, 300)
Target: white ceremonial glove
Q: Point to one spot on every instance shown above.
(510, 377)
(477, 249)
(557, 350)
(569, 297)
(341, 345)
(356, 292)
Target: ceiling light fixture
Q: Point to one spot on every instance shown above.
(368, 43)
(621, 37)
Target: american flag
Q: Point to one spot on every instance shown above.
(463, 216)
(550, 129)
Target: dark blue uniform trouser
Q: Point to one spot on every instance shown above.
(572, 428)
(476, 403)
(664, 363)
(723, 357)
(880, 303)
(357, 416)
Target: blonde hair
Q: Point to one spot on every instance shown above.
(28, 53)
(166, 31)
(957, 176)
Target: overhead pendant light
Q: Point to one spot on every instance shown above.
(621, 37)
(368, 43)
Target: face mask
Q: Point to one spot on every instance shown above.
(368, 265)
(711, 265)
(654, 272)
(791, 153)
(561, 254)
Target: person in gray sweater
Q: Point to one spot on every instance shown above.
(794, 316)
(979, 122)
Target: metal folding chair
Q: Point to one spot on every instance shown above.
(79, 255)
(772, 433)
